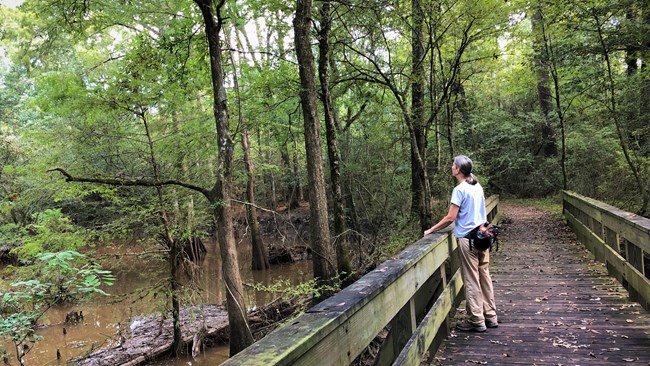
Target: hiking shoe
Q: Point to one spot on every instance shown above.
(469, 327)
(491, 323)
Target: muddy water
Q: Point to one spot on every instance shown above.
(104, 317)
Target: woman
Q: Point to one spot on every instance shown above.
(467, 211)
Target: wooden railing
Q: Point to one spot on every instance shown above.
(413, 292)
(617, 238)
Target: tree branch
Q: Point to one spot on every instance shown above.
(209, 194)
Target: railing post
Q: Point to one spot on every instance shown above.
(619, 239)
(443, 332)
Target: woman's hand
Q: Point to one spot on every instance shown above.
(429, 231)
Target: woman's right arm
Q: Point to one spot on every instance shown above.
(445, 221)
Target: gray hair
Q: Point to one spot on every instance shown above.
(464, 164)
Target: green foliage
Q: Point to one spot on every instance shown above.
(52, 231)
(394, 239)
(65, 276)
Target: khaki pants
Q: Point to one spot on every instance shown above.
(479, 295)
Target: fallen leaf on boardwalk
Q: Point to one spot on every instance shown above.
(517, 341)
(614, 349)
(506, 355)
(629, 320)
(630, 359)
(624, 336)
(541, 299)
(477, 362)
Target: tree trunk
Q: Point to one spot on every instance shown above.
(421, 201)
(270, 177)
(322, 251)
(292, 186)
(173, 258)
(260, 254)
(549, 145)
(240, 333)
(342, 260)
(300, 195)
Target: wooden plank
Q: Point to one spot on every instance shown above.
(350, 320)
(401, 328)
(628, 230)
(584, 234)
(419, 343)
(633, 227)
(587, 207)
(631, 275)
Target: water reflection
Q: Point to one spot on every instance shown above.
(143, 278)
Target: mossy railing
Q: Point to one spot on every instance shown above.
(617, 238)
(412, 292)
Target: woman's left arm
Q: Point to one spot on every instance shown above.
(445, 221)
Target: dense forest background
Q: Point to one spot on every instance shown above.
(164, 121)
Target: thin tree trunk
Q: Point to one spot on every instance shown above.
(342, 261)
(240, 333)
(322, 251)
(548, 46)
(173, 257)
(549, 145)
(259, 255)
(300, 195)
(622, 134)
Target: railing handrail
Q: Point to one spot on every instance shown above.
(628, 225)
(618, 238)
(338, 329)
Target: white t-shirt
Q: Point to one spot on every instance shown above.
(471, 201)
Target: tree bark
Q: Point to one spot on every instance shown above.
(342, 260)
(322, 251)
(240, 333)
(260, 255)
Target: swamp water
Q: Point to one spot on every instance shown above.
(105, 316)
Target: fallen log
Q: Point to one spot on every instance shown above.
(151, 337)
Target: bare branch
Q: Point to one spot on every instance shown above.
(209, 194)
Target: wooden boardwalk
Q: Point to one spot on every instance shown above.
(556, 305)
